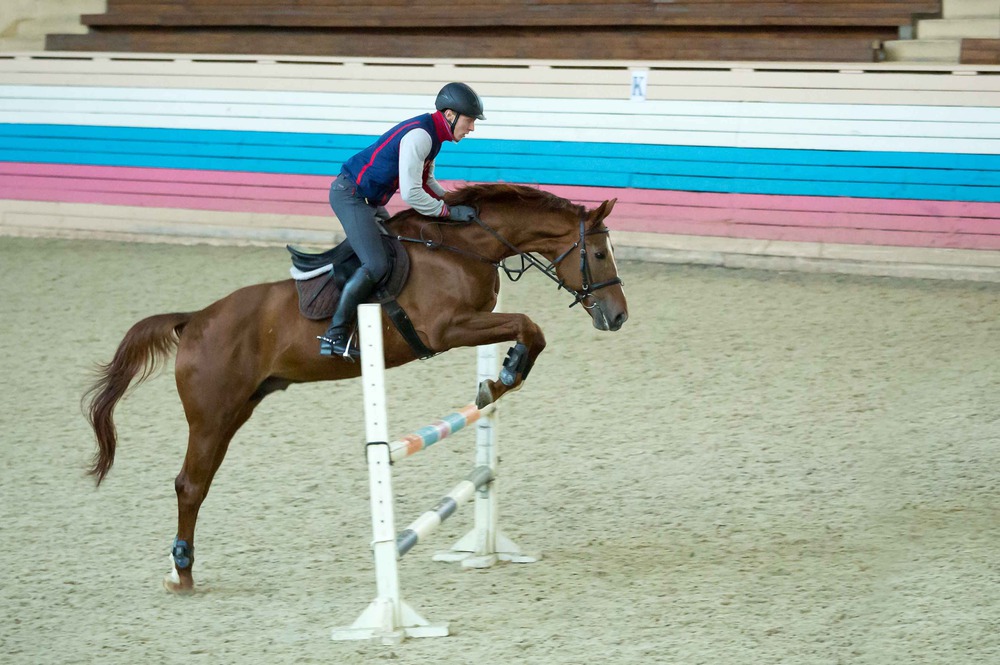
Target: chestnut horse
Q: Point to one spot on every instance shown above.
(253, 342)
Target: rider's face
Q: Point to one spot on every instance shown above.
(463, 127)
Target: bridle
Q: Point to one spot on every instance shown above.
(529, 261)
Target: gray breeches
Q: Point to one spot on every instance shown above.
(358, 219)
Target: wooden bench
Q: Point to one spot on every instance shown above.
(428, 13)
(980, 52)
(564, 29)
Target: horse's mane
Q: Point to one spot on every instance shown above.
(505, 193)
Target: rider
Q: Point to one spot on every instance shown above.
(403, 159)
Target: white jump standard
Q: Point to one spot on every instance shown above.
(388, 618)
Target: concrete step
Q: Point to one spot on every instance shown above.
(39, 27)
(971, 9)
(21, 44)
(923, 50)
(68, 7)
(957, 28)
(25, 22)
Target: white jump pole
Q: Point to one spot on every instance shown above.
(388, 618)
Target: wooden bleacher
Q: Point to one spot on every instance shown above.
(800, 30)
(980, 51)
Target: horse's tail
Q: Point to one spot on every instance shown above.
(145, 346)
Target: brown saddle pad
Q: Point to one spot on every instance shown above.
(318, 296)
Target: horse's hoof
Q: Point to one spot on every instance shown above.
(484, 396)
(172, 583)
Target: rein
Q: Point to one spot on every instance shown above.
(529, 261)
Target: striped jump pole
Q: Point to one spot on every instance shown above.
(437, 430)
(426, 523)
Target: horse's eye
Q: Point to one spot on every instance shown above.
(600, 255)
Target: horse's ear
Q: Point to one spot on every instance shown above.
(605, 209)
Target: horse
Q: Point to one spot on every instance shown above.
(253, 342)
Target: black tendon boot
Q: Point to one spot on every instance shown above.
(334, 342)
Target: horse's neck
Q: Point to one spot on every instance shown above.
(524, 231)
(512, 229)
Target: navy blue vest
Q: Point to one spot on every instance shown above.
(376, 168)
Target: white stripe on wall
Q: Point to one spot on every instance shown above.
(973, 130)
(364, 104)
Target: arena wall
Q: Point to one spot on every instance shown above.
(875, 169)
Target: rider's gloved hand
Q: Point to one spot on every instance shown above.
(462, 213)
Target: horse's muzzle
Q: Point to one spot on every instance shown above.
(608, 318)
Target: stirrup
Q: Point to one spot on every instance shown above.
(338, 346)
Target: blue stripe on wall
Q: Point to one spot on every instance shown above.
(327, 161)
(932, 176)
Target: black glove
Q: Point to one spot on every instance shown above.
(462, 213)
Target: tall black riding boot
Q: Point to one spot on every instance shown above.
(356, 291)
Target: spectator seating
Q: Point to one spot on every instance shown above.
(800, 30)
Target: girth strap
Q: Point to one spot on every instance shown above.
(402, 322)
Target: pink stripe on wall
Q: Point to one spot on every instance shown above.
(658, 197)
(951, 224)
(167, 175)
(166, 201)
(226, 191)
(156, 187)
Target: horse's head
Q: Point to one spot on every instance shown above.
(587, 267)
(525, 221)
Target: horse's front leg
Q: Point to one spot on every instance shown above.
(493, 328)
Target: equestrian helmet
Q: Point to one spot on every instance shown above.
(460, 98)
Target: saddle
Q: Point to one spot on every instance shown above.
(320, 277)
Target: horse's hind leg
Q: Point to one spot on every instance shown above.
(208, 441)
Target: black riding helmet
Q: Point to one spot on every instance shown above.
(462, 99)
